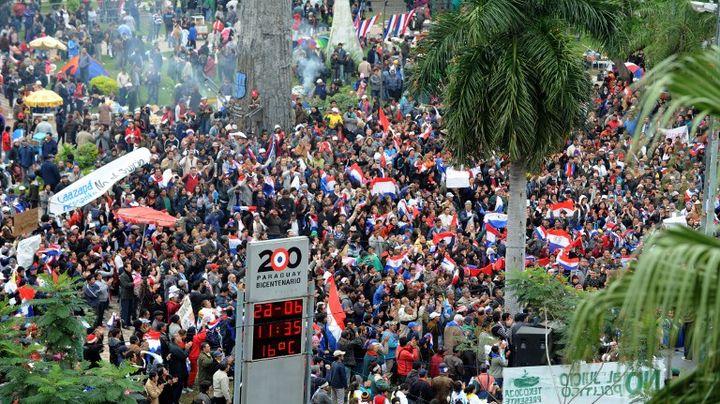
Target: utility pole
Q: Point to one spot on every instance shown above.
(711, 158)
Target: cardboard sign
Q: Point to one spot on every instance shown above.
(26, 222)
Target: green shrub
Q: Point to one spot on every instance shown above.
(105, 85)
(344, 99)
(72, 5)
(86, 155)
(66, 152)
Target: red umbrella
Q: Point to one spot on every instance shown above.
(632, 67)
(142, 215)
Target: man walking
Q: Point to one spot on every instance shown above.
(338, 378)
(127, 296)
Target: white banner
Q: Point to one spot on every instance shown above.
(185, 312)
(680, 132)
(95, 184)
(26, 250)
(606, 383)
(675, 221)
(457, 179)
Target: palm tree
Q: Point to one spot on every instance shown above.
(678, 270)
(512, 83)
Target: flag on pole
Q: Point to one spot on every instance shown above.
(335, 314)
(398, 23)
(364, 27)
(384, 122)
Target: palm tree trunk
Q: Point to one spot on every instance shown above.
(517, 219)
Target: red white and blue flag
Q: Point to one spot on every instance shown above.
(335, 314)
(396, 262)
(567, 206)
(497, 220)
(356, 173)
(558, 239)
(234, 243)
(51, 253)
(327, 182)
(563, 260)
(540, 231)
(363, 27)
(383, 186)
(492, 235)
(397, 24)
(447, 236)
(448, 263)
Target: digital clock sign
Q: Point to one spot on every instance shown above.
(277, 329)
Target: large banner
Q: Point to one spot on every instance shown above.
(98, 182)
(587, 383)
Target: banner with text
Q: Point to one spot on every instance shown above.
(93, 185)
(582, 384)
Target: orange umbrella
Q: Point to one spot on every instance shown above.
(143, 215)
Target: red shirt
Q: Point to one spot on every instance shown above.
(191, 182)
(132, 135)
(172, 308)
(6, 141)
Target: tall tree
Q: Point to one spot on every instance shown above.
(264, 56)
(512, 83)
(678, 270)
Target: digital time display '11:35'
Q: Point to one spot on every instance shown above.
(277, 329)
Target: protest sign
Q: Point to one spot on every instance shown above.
(93, 185)
(679, 132)
(25, 222)
(185, 312)
(457, 179)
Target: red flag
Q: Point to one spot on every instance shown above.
(454, 222)
(384, 121)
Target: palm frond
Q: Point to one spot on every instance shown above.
(477, 21)
(678, 272)
(598, 18)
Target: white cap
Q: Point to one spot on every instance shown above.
(336, 110)
(319, 81)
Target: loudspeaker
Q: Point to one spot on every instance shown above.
(529, 347)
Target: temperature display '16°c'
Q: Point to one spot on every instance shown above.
(277, 330)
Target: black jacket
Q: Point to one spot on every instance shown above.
(176, 361)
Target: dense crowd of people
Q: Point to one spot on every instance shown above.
(419, 266)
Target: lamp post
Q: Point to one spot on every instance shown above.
(711, 153)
